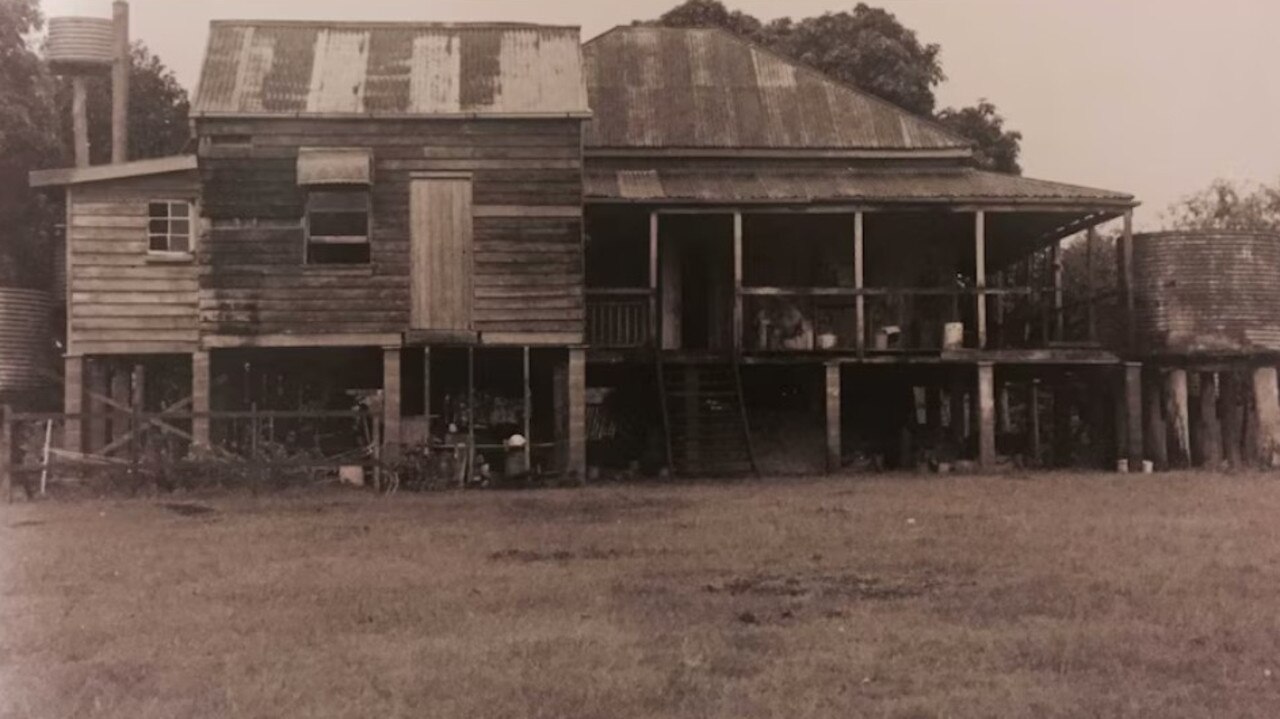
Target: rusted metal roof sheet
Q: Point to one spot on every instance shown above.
(728, 186)
(653, 87)
(256, 68)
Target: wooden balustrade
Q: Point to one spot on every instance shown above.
(618, 318)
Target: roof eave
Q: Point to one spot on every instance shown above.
(100, 173)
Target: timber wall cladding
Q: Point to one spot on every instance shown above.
(120, 300)
(527, 228)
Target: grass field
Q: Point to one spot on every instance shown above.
(1048, 596)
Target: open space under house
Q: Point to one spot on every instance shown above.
(660, 248)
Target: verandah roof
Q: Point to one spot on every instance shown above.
(721, 186)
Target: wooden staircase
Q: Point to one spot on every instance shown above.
(704, 417)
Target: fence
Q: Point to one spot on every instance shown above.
(257, 448)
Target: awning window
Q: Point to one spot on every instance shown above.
(329, 166)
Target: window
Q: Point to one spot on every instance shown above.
(169, 226)
(338, 226)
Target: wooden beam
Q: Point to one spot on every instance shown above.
(95, 383)
(737, 281)
(1156, 435)
(391, 415)
(426, 390)
(980, 273)
(577, 387)
(859, 282)
(1033, 409)
(654, 327)
(986, 415)
(1233, 418)
(834, 455)
(200, 399)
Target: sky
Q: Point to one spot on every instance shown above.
(1151, 97)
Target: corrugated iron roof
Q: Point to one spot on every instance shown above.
(394, 69)
(728, 186)
(655, 87)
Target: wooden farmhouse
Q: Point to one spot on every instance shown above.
(664, 248)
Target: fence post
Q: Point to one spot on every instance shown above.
(6, 453)
(254, 468)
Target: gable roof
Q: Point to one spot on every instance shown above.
(283, 68)
(658, 87)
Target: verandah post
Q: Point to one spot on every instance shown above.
(834, 451)
(986, 415)
(980, 273)
(737, 281)
(6, 453)
(859, 283)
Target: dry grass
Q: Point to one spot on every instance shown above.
(1053, 596)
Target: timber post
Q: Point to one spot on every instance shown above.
(6, 453)
(200, 403)
(1266, 412)
(986, 415)
(391, 402)
(980, 273)
(1178, 415)
(1233, 418)
(859, 281)
(1133, 414)
(1156, 434)
(1209, 438)
(834, 452)
(73, 402)
(577, 389)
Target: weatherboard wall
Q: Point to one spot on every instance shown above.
(527, 248)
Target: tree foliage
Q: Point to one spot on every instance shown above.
(869, 48)
(1226, 205)
(35, 133)
(158, 109)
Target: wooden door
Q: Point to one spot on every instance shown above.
(440, 252)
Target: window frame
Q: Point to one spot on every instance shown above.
(168, 252)
(313, 193)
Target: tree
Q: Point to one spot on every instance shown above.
(28, 140)
(870, 49)
(997, 149)
(1227, 205)
(158, 110)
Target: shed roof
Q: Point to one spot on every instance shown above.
(100, 173)
(657, 87)
(837, 184)
(271, 68)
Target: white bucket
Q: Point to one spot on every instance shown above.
(1122, 466)
(1148, 466)
(953, 335)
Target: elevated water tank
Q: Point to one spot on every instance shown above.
(26, 356)
(1207, 293)
(80, 45)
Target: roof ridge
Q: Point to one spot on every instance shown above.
(498, 24)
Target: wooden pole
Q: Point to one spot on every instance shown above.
(1156, 435)
(1266, 402)
(859, 281)
(200, 400)
(528, 414)
(72, 403)
(1091, 319)
(120, 84)
(834, 456)
(79, 126)
(986, 415)
(737, 281)
(578, 413)
(1232, 418)
(426, 392)
(6, 453)
(471, 413)
(95, 424)
(391, 414)
(1062, 439)
(1059, 320)
(137, 402)
(1178, 416)
(654, 327)
(1133, 414)
(955, 399)
(980, 273)
(1034, 410)
(1209, 438)
(1130, 299)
